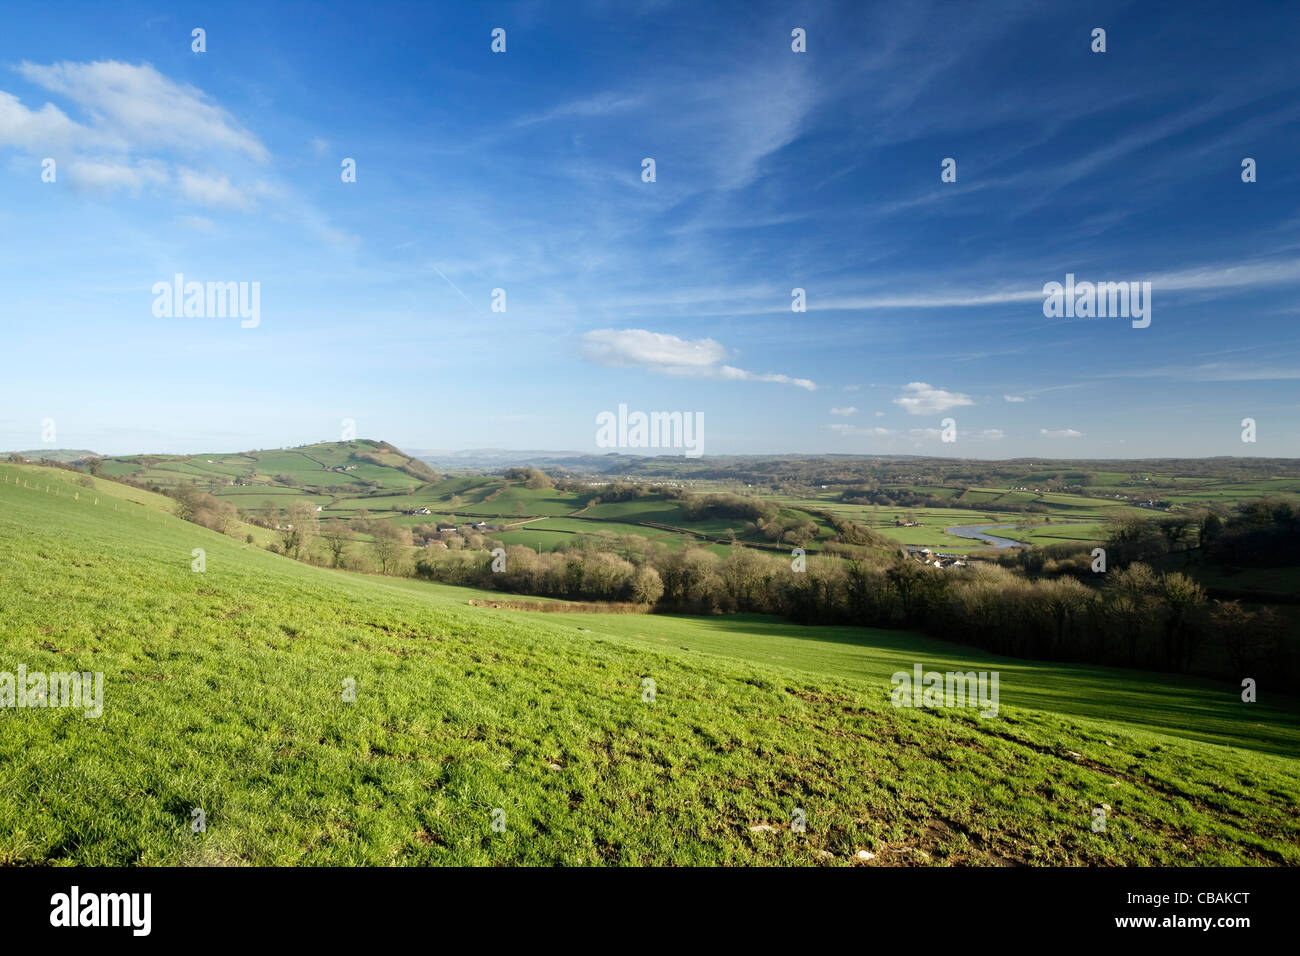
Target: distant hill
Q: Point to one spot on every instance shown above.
(506, 455)
(53, 454)
(352, 468)
(497, 459)
(343, 479)
(585, 463)
(840, 470)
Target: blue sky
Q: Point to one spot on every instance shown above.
(774, 170)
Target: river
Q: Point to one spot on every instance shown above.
(979, 533)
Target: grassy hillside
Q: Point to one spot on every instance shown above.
(360, 467)
(54, 454)
(223, 691)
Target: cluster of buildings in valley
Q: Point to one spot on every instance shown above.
(937, 559)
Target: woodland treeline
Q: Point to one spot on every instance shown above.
(1144, 610)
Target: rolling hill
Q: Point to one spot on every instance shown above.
(346, 478)
(360, 467)
(225, 690)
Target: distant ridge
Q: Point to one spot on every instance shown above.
(54, 454)
(492, 454)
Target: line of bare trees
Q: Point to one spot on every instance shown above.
(1047, 604)
(1134, 616)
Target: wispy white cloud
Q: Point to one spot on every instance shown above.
(44, 129)
(137, 131)
(136, 108)
(1228, 275)
(740, 375)
(197, 223)
(760, 111)
(211, 190)
(100, 176)
(919, 398)
(631, 347)
(1264, 370)
(931, 300)
(670, 355)
(1214, 276)
(608, 103)
(1060, 433)
(849, 410)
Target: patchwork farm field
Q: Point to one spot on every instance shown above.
(537, 539)
(1064, 533)
(347, 478)
(223, 690)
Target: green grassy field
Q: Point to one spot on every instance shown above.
(1047, 534)
(529, 537)
(223, 690)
